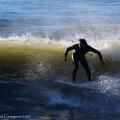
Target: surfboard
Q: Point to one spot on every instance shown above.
(86, 91)
(91, 85)
(73, 88)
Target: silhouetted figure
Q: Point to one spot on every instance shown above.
(79, 56)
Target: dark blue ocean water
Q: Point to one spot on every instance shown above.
(60, 19)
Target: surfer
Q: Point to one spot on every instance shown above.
(80, 50)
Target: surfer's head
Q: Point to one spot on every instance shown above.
(83, 42)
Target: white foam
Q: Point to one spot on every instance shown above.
(105, 45)
(109, 85)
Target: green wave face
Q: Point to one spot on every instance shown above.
(45, 62)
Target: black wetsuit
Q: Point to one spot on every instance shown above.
(79, 56)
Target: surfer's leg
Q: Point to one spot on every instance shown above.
(87, 69)
(76, 64)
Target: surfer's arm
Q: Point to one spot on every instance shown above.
(66, 52)
(99, 54)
